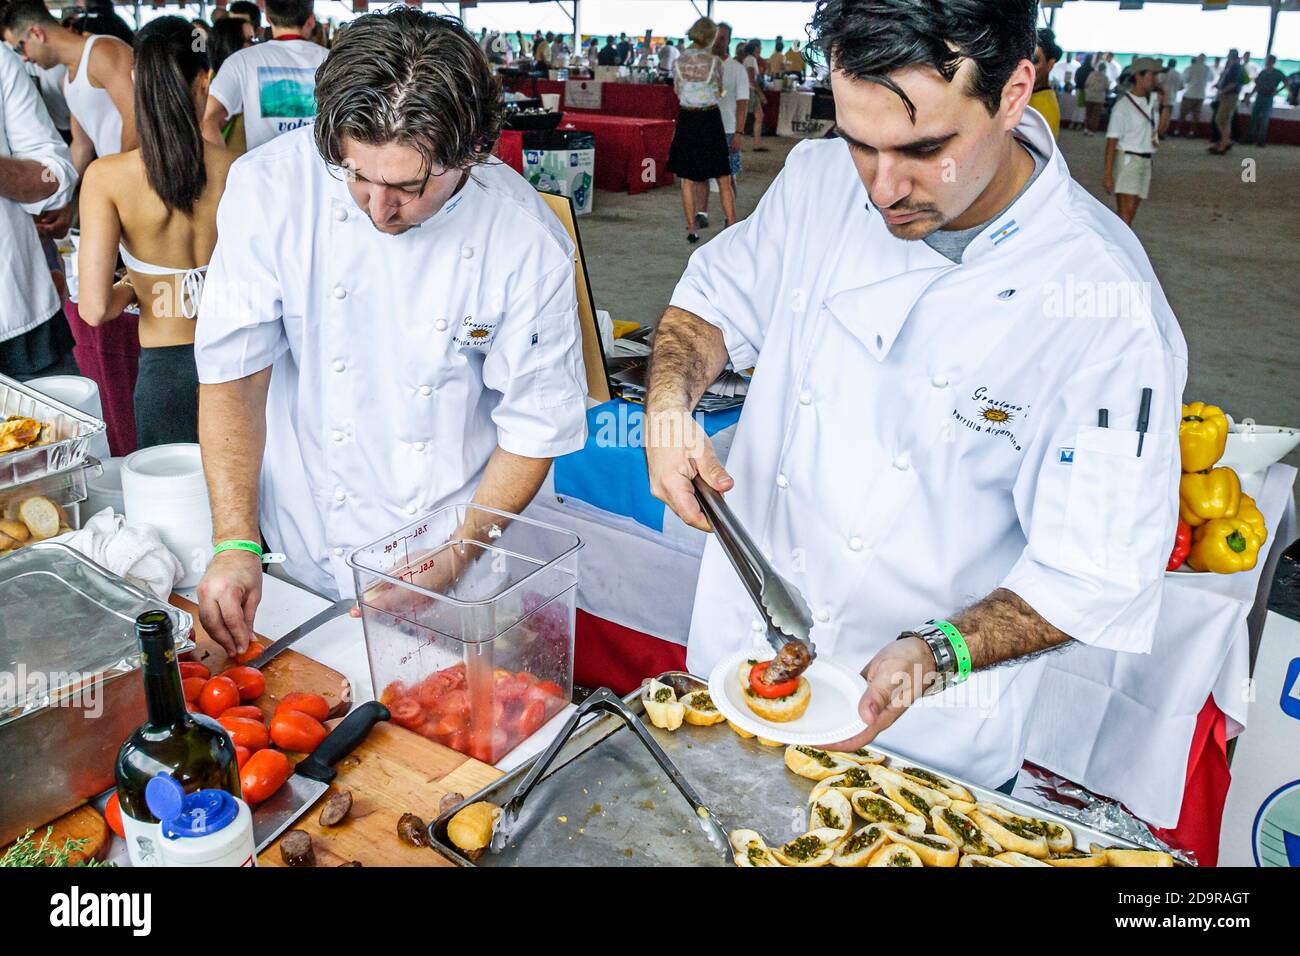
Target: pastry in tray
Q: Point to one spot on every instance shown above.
(18, 432)
(848, 783)
(748, 849)
(934, 850)
(815, 764)
(878, 808)
(814, 848)
(858, 849)
(895, 854)
(831, 811)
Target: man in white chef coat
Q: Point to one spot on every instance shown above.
(936, 314)
(402, 310)
(36, 175)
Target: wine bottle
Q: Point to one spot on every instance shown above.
(195, 750)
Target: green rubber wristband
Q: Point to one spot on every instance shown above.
(250, 546)
(958, 647)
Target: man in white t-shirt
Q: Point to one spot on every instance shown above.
(273, 84)
(1196, 78)
(1136, 121)
(668, 54)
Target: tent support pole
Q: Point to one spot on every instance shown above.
(1274, 8)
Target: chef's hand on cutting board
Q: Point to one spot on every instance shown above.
(228, 597)
(896, 677)
(675, 445)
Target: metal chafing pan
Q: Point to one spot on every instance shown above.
(605, 802)
(69, 434)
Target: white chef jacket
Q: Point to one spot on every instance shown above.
(27, 294)
(918, 433)
(400, 362)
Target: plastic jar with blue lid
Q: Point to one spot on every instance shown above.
(204, 828)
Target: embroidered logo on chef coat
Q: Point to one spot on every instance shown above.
(474, 335)
(992, 416)
(1004, 232)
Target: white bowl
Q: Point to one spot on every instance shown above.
(1253, 448)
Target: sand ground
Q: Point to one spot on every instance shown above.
(1225, 245)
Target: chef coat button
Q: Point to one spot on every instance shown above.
(903, 461)
(805, 398)
(419, 446)
(410, 509)
(338, 552)
(339, 366)
(782, 481)
(441, 325)
(823, 616)
(467, 252)
(757, 626)
(337, 435)
(340, 292)
(340, 494)
(426, 390)
(855, 543)
(341, 214)
(939, 381)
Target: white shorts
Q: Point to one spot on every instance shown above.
(1134, 175)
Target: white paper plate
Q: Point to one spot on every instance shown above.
(832, 714)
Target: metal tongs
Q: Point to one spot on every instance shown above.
(606, 700)
(781, 604)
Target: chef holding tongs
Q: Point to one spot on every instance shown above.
(955, 463)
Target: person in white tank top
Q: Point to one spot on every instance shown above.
(98, 88)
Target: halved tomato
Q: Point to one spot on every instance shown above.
(407, 712)
(770, 691)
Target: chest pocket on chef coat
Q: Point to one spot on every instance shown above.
(1108, 505)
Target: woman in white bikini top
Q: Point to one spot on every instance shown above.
(157, 207)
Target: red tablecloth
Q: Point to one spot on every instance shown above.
(649, 100)
(110, 354)
(631, 152)
(510, 149)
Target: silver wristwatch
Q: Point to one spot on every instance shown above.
(945, 658)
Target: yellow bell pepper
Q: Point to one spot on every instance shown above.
(1249, 512)
(1202, 435)
(1225, 546)
(1205, 495)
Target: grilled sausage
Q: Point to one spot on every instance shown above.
(789, 663)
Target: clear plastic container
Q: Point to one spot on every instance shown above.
(469, 623)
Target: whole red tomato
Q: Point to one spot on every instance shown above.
(296, 731)
(113, 815)
(193, 669)
(246, 733)
(219, 695)
(313, 705)
(246, 710)
(249, 680)
(263, 774)
(241, 755)
(191, 687)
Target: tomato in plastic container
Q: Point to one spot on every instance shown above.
(469, 622)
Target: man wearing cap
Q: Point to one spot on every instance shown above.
(1138, 118)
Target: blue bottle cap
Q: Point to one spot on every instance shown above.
(164, 796)
(182, 814)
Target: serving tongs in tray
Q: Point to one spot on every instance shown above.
(605, 701)
(781, 604)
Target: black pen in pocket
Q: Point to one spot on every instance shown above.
(1144, 415)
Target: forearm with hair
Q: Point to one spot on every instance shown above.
(1003, 627)
(25, 180)
(688, 355)
(232, 435)
(1111, 145)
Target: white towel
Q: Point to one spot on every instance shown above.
(135, 552)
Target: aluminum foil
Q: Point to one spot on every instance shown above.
(1042, 788)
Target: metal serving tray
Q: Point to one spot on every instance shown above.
(72, 430)
(605, 802)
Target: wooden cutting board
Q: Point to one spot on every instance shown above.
(289, 672)
(84, 823)
(393, 772)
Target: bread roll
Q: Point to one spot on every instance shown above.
(933, 850)
(42, 517)
(1014, 833)
(813, 763)
(831, 811)
(1011, 858)
(877, 808)
(700, 709)
(973, 859)
(1121, 857)
(662, 707)
(1077, 858)
(859, 848)
(749, 849)
(781, 709)
(953, 791)
(963, 831)
(895, 854)
(811, 849)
